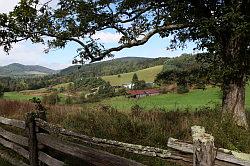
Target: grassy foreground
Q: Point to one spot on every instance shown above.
(147, 75)
(137, 126)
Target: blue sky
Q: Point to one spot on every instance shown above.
(30, 54)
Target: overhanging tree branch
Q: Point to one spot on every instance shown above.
(139, 42)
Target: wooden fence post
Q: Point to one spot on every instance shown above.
(31, 131)
(42, 115)
(204, 150)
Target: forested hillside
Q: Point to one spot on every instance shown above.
(112, 67)
(70, 74)
(16, 69)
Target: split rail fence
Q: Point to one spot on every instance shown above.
(39, 135)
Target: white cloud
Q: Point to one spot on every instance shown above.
(25, 52)
(107, 37)
(29, 54)
(22, 53)
(6, 6)
(57, 66)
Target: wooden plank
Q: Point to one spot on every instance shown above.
(13, 137)
(20, 150)
(138, 149)
(50, 161)
(12, 122)
(11, 160)
(90, 155)
(231, 159)
(181, 146)
(133, 148)
(221, 156)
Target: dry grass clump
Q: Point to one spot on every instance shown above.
(15, 109)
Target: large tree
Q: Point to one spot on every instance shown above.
(220, 27)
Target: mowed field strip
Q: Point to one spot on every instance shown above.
(147, 75)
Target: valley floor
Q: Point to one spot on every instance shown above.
(171, 101)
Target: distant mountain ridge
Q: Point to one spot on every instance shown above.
(102, 68)
(17, 69)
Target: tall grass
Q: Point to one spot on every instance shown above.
(138, 126)
(156, 126)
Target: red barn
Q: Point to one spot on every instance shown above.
(143, 93)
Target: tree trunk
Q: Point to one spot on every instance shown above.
(233, 103)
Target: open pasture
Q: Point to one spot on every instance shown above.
(147, 75)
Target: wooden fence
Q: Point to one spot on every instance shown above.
(40, 135)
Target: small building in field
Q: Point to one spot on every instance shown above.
(128, 85)
(143, 93)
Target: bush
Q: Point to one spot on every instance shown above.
(61, 89)
(51, 99)
(136, 110)
(121, 92)
(106, 90)
(69, 100)
(182, 89)
(92, 98)
(138, 85)
(200, 85)
(82, 98)
(1, 91)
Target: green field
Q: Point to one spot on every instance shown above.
(147, 75)
(172, 101)
(28, 94)
(17, 96)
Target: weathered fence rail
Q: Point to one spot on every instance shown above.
(40, 134)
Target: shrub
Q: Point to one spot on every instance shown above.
(200, 85)
(1, 91)
(106, 90)
(52, 99)
(140, 84)
(68, 100)
(136, 110)
(182, 89)
(92, 98)
(121, 92)
(82, 98)
(61, 89)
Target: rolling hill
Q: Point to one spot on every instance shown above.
(147, 75)
(112, 67)
(16, 69)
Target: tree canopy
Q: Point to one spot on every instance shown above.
(220, 27)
